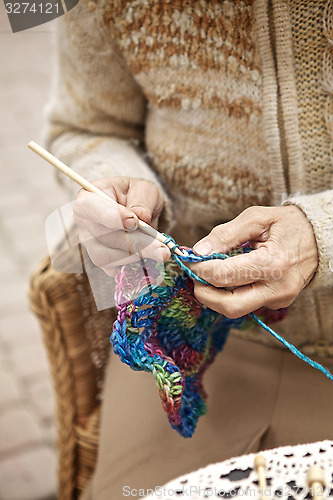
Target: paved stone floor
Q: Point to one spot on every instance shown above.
(28, 194)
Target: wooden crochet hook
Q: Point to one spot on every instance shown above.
(316, 482)
(88, 186)
(260, 464)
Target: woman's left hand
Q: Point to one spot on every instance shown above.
(282, 263)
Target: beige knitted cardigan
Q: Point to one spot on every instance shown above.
(223, 104)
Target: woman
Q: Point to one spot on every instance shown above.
(211, 120)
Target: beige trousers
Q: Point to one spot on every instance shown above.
(258, 397)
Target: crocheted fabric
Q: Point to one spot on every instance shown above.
(167, 332)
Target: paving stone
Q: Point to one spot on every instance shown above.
(13, 296)
(49, 433)
(28, 194)
(34, 250)
(21, 328)
(13, 203)
(9, 392)
(9, 270)
(17, 429)
(24, 226)
(42, 399)
(30, 361)
(30, 475)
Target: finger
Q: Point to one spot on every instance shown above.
(91, 227)
(252, 224)
(133, 243)
(136, 243)
(105, 258)
(234, 304)
(240, 270)
(93, 207)
(102, 255)
(145, 199)
(115, 187)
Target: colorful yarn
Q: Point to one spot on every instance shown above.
(167, 332)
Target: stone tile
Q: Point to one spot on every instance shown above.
(42, 399)
(30, 475)
(28, 194)
(20, 328)
(33, 251)
(17, 429)
(49, 433)
(9, 392)
(24, 226)
(9, 269)
(30, 361)
(13, 203)
(13, 296)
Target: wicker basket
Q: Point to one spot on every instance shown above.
(76, 337)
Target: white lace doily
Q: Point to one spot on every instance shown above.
(286, 476)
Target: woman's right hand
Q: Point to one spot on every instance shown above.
(107, 229)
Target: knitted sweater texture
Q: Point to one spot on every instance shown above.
(223, 104)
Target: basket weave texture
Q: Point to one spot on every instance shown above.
(76, 337)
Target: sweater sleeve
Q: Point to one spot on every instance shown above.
(318, 208)
(96, 116)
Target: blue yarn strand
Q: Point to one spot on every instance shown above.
(292, 348)
(192, 258)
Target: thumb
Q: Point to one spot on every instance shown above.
(145, 200)
(252, 224)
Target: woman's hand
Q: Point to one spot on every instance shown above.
(107, 229)
(282, 263)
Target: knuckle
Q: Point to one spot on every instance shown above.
(253, 272)
(215, 278)
(274, 271)
(78, 203)
(297, 288)
(222, 232)
(287, 297)
(199, 293)
(288, 260)
(285, 302)
(101, 182)
(231, 311)
(256, 214)
(206, 273)
(227, 274)
(108, 182)
(83, 205)
(81, 194)
(253, 211)
(294, 288)
(217, 230)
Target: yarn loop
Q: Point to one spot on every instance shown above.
(167, 332)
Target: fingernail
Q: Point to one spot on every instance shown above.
(203, 248)
(161, 254)
(130, 224)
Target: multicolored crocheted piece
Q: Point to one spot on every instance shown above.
(167, 332)
(162, 328)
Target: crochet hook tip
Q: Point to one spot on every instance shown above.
(184, 252)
